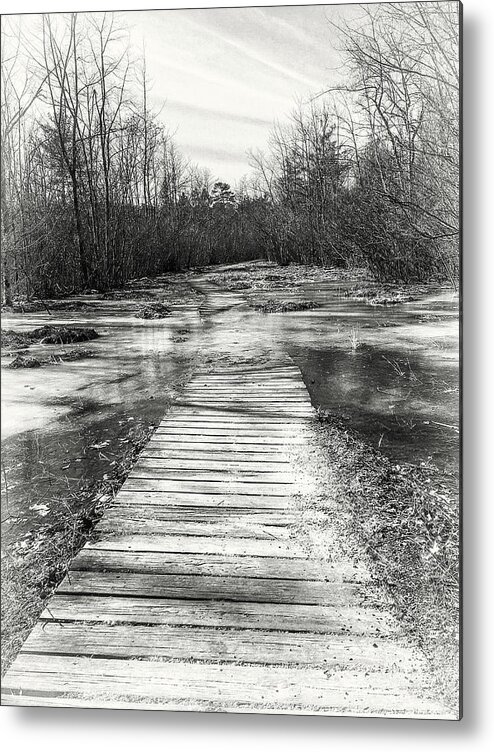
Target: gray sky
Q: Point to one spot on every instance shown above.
(226, 74)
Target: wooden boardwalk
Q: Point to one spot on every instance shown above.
(197, 595)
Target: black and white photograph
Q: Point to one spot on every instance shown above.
(231, 283)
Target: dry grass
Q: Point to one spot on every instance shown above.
(153, 311)
(25, 361)
(62, 335)
(388, 294)
(12, 340)
(57, 358)
(37, 306)
(406, 518)
(284, 306)
(35, 564)
(265, 276)
(47, 335)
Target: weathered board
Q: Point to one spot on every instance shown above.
(223, 684)
(293, 617)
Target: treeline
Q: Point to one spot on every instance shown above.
(368, 173)
(94, 191)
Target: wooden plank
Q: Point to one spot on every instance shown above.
(156, 456)
(200, 545)
(269, 382)
(259, 459)
(254, 393)
(289, 374)
(288, 411)
(162, 680)
(280, 400)
(270, 379)
(165, 520)
(160, 458)
(226, 431)
(211, 487)
(227, 415)
(207, 644)
(152, 469)
(203, 515)
(222, 419)
(251, 453)
(241, 615)
(272, 387)
(268, 409)
(107, 560)
(246, 410)
(216, 373)
(256, 376)
(176, 444)
(210, 587)
(250, 395)
(131, 703)
(292, 377)
(104, 560)
(241, 411)
(199, 500)
(222, 438)
(248, 424)
(132, 522)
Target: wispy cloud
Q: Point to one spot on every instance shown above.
(225, 75)
(208, 113)
(250, 53)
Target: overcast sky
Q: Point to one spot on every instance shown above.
(221, 77)
(226, 74)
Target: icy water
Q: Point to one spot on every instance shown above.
(66, 427)
(390, 373)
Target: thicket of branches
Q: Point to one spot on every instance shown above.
(94, 191)
(369, 172)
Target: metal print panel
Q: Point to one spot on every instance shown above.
(230, 337)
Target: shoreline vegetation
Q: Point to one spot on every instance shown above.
(405, 518)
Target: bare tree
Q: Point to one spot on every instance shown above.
(21, 87)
